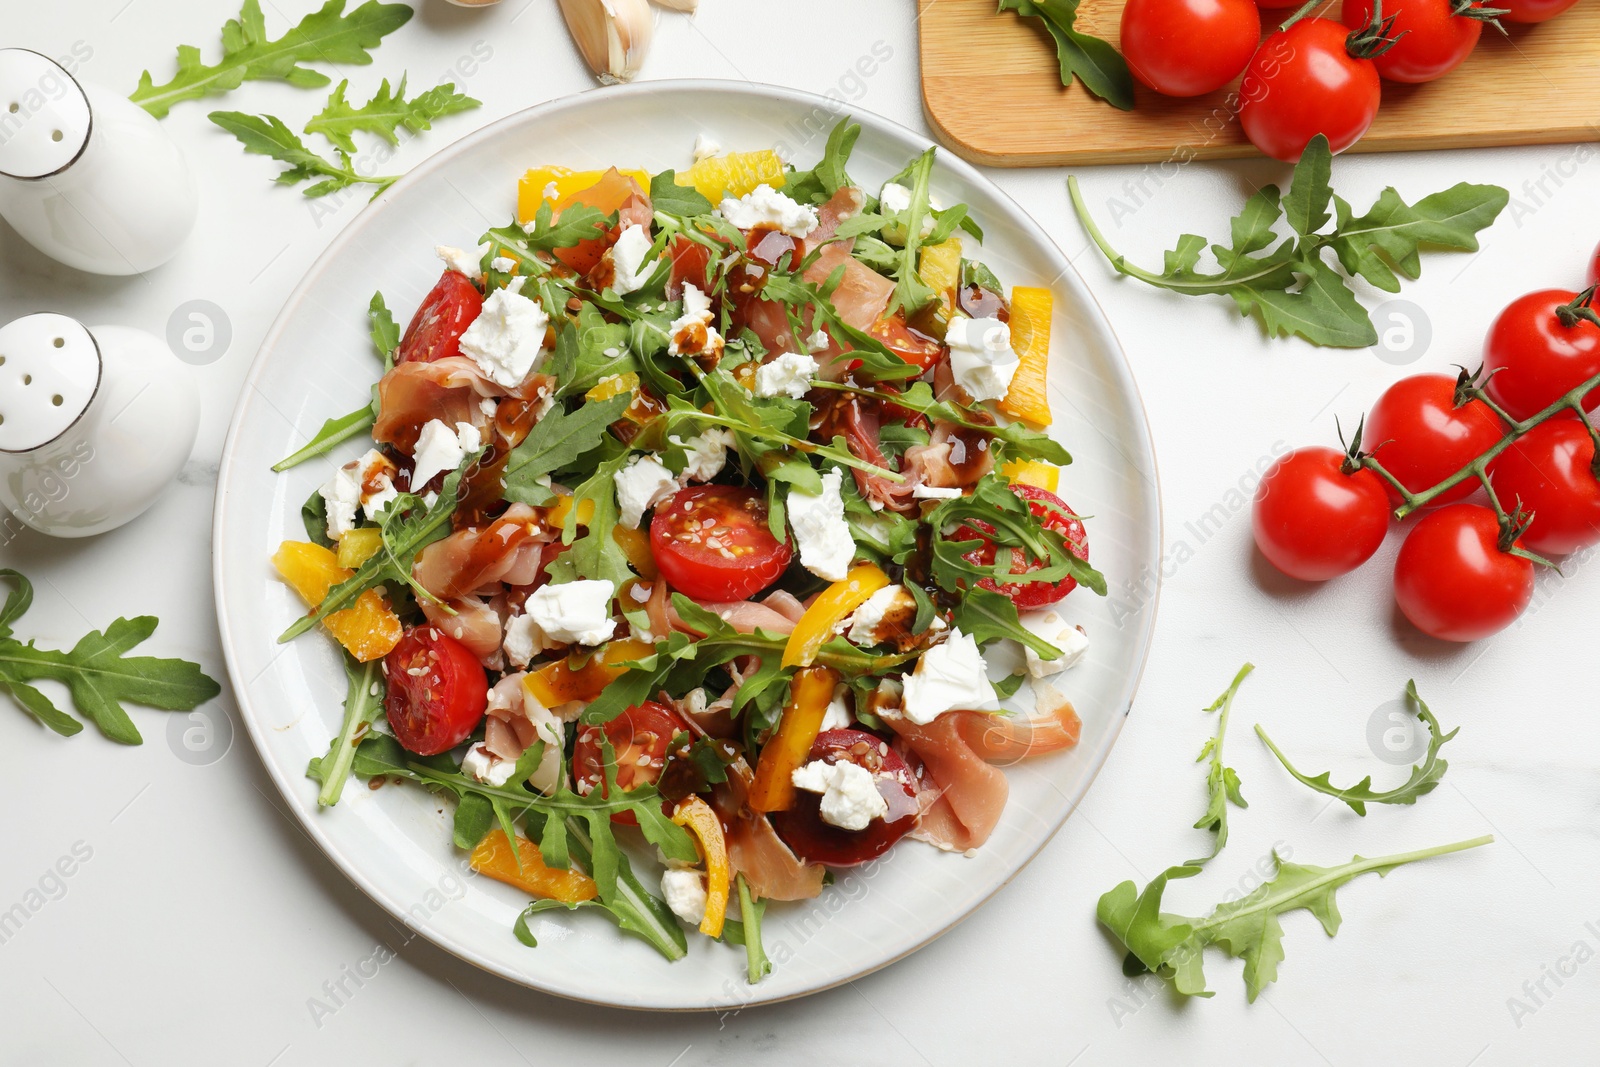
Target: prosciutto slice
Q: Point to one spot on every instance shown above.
(950, 459)
(858, 423)
(754, 847)
(450, 390)
(745, 616)
(475, 624)
(513, 720)
(508, 550)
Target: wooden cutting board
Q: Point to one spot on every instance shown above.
(992, 93)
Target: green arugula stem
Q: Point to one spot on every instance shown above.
(361, 706)
(757, 966)
(334, 432)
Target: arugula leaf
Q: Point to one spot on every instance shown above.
(386, 112)
(96, 672)
(1222, 782)
(363, 703)
(327, 35)
(997, 513)
(911, 293)
(757, 965)
(597, 555)
(1425, 776)
(684, 201)
(385, 334)
(1008, 686)
(333, 432)
(556, 441)
(1172, 945)
(1016, 440)
(1092, 61)
(578, 222)
(1289, 284)
(987, 616)
(266, 135)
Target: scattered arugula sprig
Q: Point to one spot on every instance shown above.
(1424, 778)
(97, 673)
(385, 339)
(1290, 286)
(327, 35)
(386, 112)
(1095, 63)
(1222, 782)
(363, 703)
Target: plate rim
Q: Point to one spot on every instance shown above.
(366, 218)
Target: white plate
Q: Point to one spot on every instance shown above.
(394, 843)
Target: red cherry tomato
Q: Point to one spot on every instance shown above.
(639, 738)
(917, 349)
(1536, 357)
(711, 542)
(1314, 522)
(1432, 39)
(1303, 81)
(689, 262)
(815, 841)
(437, 691)
(1548, 473)
(1162, 42)
(1053, 514)
(1422, 438)
(446, 312)
(1453, 582)
(1532, 10)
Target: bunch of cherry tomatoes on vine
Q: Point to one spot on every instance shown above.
(1313, 75)
(1516, 434)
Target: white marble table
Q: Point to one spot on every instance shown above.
(202, 924)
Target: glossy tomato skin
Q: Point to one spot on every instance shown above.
(1161, 40)
(640, 738)
(446, 312)
(1314, 522)
(1453, 582)
(1532, 10)
(437, 691)
(1028, 595)
(1421, 437)
(815, 841)
(1303, 81)
(1432, 39)
(914, 347)
(711, 542)
(1548, 473)
(1534, 358)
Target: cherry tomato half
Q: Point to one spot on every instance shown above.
(815, 841)
(711, 542)
(1313, 521)
(1422, 438)
(1303, 81)
(437, 691)
(639, 738)
(1536, 357)
(1453, 582)
(1548, 473)
(1162, 42)
(1432, 39)
(917, 349)
(446, 312)
(1532, 10)
(1048, 509)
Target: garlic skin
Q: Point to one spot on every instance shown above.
(613, 35)
(686, 6)
(474, 3)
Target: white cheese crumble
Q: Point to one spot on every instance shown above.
(819, 341)
(523, 640)
(627, 260)
(503, 264)
(1072, 642)
(341, 496)
(705, 454)
(867, 621)
(506, 338)
(820, 529)
(765, 206)
(850, 797)
(696, 317)
(439, 450)
(981, 359)
(641, 485)
(933, 492)
(577, 613)
(838, 716)
(685, 893)
(705, 147)
(482, 765)
(948, 676)
(789, 375)
(462, 261)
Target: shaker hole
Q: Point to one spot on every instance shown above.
(56, 400)
(59, 342)
(15, 107)
(2, 361)
(27, 379)
(56, 135)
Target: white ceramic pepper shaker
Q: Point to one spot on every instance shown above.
(86, 176)
(93, 424)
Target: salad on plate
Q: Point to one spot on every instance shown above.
(701, 515)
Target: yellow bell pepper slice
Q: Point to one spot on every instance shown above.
(636, 546)
(359, 545)
(1028, 398)
(368, 629)
(1032, 472)
(557, 682)
(832, 605)
(696, 816)
(536, 183)
(790, 746)
(734, 174)
(940, 268)
(493, 856)
(558, 513)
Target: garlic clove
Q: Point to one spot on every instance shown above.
(687, 6)
(613, 35)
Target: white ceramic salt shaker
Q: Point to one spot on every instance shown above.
(93, 423)
(86, 176)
